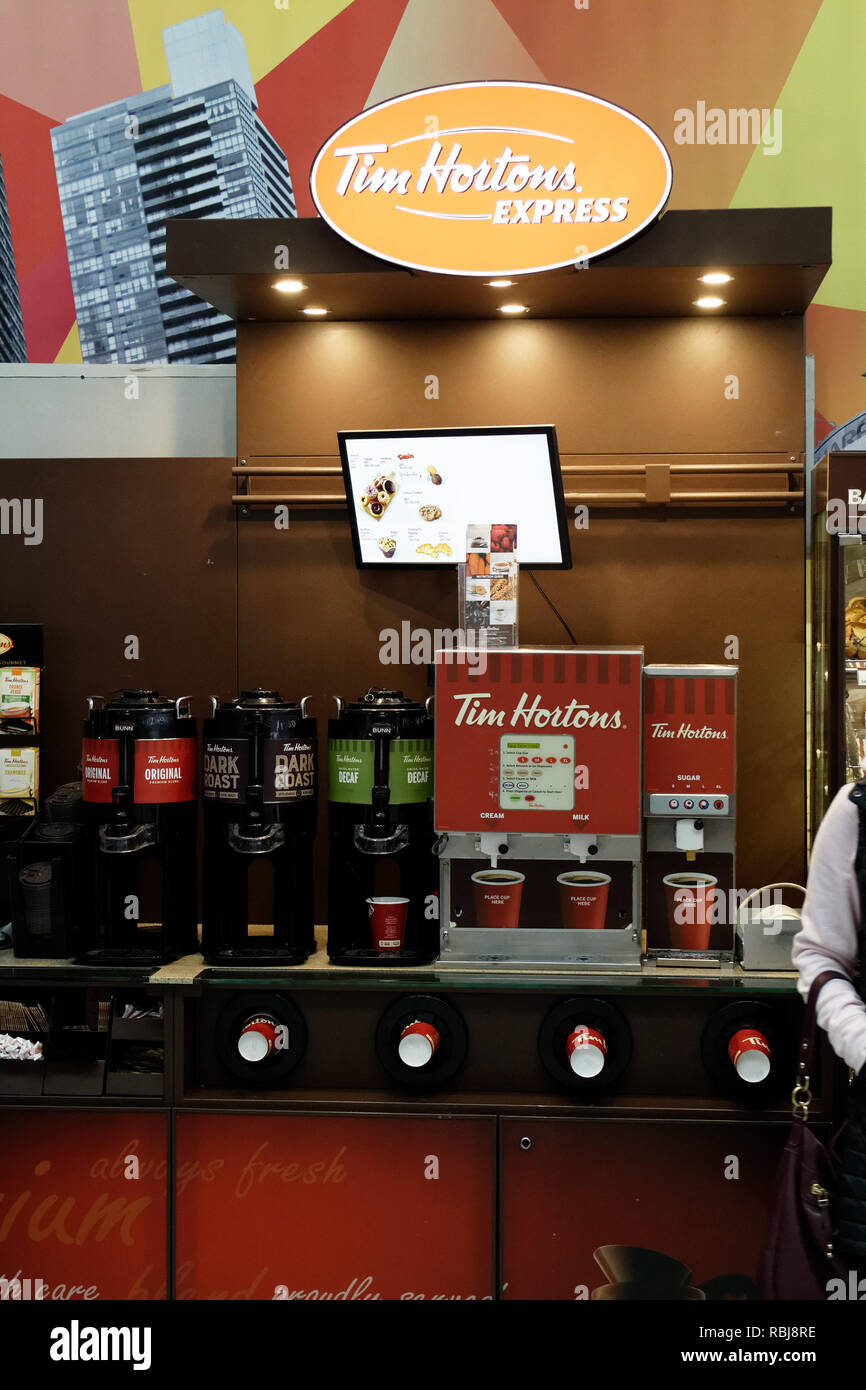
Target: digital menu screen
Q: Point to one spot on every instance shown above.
(411, 496)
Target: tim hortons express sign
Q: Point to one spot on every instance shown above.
(491, 178)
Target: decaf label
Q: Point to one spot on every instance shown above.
(290, 770)
(411, 769)
(350, 770)
(226, 763)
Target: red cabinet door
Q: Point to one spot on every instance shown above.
(616, 1209)
(83, 1204)
(334, 1207)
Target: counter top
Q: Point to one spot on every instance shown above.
(319, 973)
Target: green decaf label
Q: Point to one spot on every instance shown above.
(350, 770)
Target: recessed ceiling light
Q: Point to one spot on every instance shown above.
(500, 284)
(715, 277)
(289, 286)
(314, 310)
(513, 308)
(708, 301)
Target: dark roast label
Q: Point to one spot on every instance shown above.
(226, 769)
(99, 768)
(164, 770)
(290, 770)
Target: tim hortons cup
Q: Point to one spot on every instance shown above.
(586, 1050)
(690, 899)
(258, 1038)
(750, 1053)
(418, 1044)
(497, 897)
(387, 922)
(583, 898)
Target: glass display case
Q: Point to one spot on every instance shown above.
(836, 741)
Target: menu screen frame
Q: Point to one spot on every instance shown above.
(347, 437)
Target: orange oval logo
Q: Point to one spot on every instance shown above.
(5, 643)
(491, 178)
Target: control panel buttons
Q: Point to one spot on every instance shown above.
(669, 803)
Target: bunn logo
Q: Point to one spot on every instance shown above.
(491, 178)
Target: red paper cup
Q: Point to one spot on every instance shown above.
(583, 898)
(418, 1044)
(587, 1050)
(258, 1038)
(387, 922)
(750, 1053)
(690, 898)
(497, 897)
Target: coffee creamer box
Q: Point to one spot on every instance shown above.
(19, 700)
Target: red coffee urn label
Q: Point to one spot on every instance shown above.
(99, 768)
(164, 770)
(689, 733)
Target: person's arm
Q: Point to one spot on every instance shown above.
(828, 939)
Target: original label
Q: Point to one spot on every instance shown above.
(164, 770)
(100, 762)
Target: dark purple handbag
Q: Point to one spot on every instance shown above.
(798, 1258)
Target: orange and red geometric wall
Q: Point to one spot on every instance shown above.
(682, 65)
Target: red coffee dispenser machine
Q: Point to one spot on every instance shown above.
(537, 806)
(140, 802)
(690, 716)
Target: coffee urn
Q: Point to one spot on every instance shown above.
(259, 769)
(382, 895)
(140, 801)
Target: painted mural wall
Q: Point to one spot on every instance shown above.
(115, 114)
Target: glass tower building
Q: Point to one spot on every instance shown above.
(12, 346)
(193, 148)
